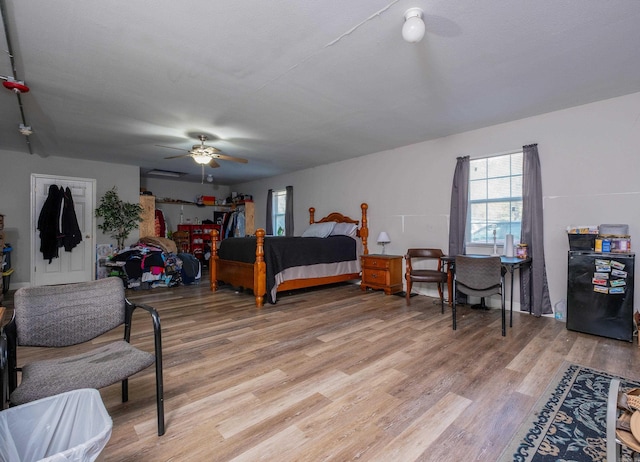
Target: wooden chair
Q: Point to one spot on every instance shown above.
(181, 238)
(70, 314)
(413, 274)
(479, 276)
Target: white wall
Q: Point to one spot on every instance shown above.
(590, 163)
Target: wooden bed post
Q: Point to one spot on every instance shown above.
(213, 261)
(260, 270)
(312, 212)
(364, 229)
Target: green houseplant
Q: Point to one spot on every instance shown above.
(118, 217)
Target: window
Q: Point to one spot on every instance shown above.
(495, 199)
(279, 199)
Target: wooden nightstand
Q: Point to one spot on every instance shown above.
(382, 272)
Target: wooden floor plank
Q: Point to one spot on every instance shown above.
(424, 430)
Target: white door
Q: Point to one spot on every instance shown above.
(77, 265)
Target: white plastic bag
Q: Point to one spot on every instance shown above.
(72, 426)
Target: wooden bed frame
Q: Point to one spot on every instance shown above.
(254, 276)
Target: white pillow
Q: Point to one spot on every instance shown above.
(345, 229)
(319, 229)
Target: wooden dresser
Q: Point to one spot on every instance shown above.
(382, 272)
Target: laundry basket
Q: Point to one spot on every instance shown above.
(71, 426)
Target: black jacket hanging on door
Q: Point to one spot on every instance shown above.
(49, 223)
(70, 229)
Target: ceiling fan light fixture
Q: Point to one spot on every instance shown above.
(413, 28)
(201, 159)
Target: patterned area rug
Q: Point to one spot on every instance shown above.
(569, 421)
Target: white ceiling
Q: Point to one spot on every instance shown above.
(295, 84)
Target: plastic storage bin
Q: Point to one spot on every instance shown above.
(72, 426)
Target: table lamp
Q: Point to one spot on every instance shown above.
(383, 238)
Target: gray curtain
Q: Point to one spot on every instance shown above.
(288, 212)
(269, 227)
(459, 205)
(533, 281)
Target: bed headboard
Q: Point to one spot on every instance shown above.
(363, 230)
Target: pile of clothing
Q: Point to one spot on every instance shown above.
(154, 262)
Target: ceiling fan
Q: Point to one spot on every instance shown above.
(205, 155)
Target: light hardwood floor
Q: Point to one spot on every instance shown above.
(338, 374)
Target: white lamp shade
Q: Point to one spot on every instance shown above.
(201, 159)
(383, 238)
(413, 28)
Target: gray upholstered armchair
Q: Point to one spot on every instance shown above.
(478, 276)
(69, 314)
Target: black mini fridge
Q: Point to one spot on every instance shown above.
(600, 294)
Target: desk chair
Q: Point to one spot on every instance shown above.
(412, 274)
(71, 314)
(182, 240)
(481, 277)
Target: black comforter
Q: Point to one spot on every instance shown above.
(282, 252)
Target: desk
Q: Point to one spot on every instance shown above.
(510, 264)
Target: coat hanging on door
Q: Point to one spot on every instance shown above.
(72, 236)
(58, 203)
(49, 223)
